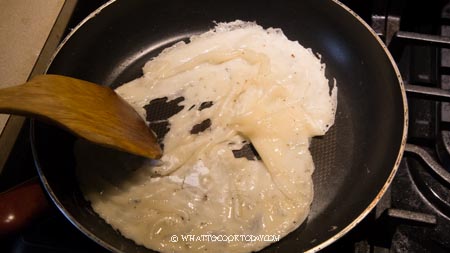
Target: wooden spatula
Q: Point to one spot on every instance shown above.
(88, 110)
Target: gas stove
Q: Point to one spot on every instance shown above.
(413, 215)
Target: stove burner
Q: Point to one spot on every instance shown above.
(434, 183)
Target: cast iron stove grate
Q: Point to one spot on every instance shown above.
(414, 214)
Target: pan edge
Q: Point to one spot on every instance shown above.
(316, 248)
(401, 150)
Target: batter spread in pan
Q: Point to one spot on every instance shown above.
(233, 89)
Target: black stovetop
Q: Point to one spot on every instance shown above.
(414, 214)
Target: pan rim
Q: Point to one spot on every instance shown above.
(316, 248)
(388, 182)
(55, 199)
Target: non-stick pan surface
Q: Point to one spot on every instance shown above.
(355, 161)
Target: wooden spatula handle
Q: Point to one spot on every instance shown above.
(21, 205)
(27, 100)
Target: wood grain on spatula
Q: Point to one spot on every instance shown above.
(88, 110)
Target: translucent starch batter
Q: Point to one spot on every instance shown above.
(232, 86)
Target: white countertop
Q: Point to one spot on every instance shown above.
(27, 27)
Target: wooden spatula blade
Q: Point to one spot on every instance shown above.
(90, 111)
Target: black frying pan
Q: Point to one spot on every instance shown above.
(355, 161)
